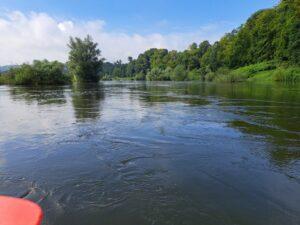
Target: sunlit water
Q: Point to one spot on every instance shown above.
(154, 153)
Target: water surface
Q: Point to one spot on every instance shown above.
(154, 153)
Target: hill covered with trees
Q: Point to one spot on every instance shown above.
(266, 46)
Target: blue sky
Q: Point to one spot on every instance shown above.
(146, 16)
(38, 29)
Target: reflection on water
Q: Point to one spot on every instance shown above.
(39, 95)
(154, 153)
(86, 100)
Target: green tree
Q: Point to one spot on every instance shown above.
(203, 48)
(179, 73)
(39, 73)
(84, 63)
(269, 35)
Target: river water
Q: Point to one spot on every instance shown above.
(154, 153)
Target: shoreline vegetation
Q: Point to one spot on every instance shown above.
(260, 72)
(265, 48)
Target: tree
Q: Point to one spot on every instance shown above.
(39, 73)
(179, 73)
(268, 35)
(84, 63)
(155, 74)
(203, 47)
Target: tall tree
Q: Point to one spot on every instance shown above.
(85, 62)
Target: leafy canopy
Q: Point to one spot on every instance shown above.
(85, 62)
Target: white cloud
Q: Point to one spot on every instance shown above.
(25, 37)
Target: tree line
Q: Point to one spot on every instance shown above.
(269, 35)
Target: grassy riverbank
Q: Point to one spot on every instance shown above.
(260, 72)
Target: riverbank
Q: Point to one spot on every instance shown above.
(260, 72)
(54, 73)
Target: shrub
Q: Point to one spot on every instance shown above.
(291, 74)
(194, 75)
(6, 78)
(39, 73)
(251, 70)
(140, 76)
(210, 76)
(179, 73)
(155, 74)
(167, 73)
(229, 76)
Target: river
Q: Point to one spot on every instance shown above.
(157, 153)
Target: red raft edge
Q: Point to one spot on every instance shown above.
(16, 211)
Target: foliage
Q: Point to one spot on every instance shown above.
(194, 75)
(266, 71)
(249, 71)
(39, 73)
(155, 74)
(291, 74)
(269, 38)
(179, 73)
(140, 76)
(84, 63)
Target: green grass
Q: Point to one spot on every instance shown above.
(253, 70)
(263, 76)
(260, 72)
(290, 74)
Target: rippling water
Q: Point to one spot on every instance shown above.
(154, 153)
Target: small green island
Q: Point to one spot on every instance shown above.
(265, 48)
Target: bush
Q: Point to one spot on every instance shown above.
(251, 70)
(179, 73)
(154, 74)
(210, 76)
(194, 75)
(5, 78)
(167, 73)
(158, 74)
(39, 73)
(140, 76)
(220, 75)
(227, 75)
(203, 71)
(291, 74)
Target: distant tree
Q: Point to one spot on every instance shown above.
(130, 59)
(203, 47)
(193, 46)
(179, 73)
(39, 73)
(130, 70)
(84, 63)
(194, 75)
(117, 72)
(268, 35)
(154, 74)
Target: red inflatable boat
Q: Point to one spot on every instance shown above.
(15, 211)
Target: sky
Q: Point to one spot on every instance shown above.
(40, 29)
